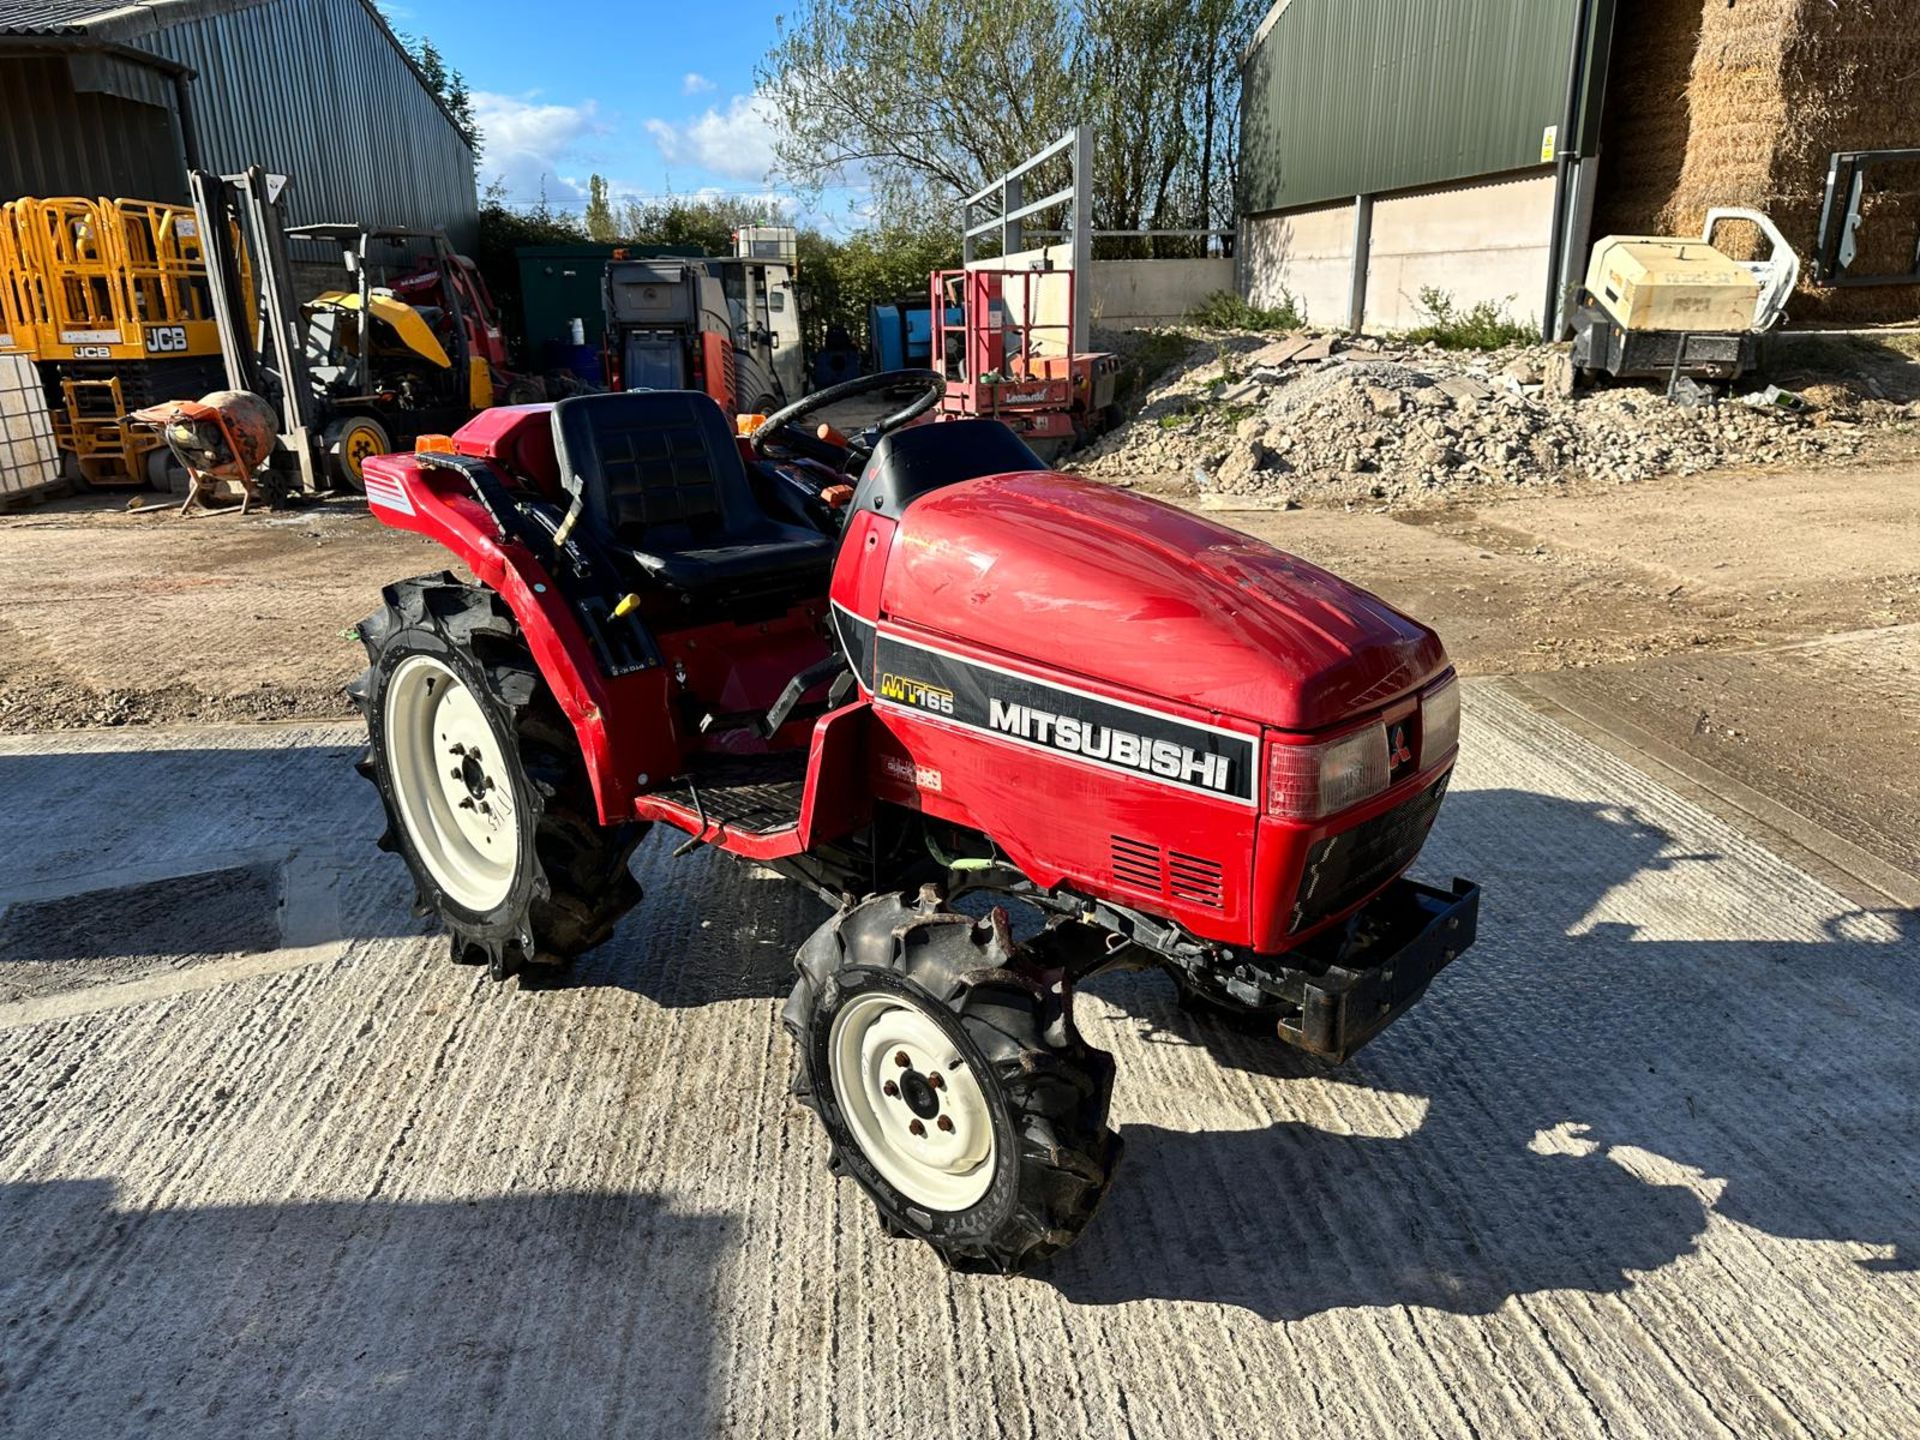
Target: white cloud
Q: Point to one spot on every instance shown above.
(694, 83)
(527, 144)
(736, 142)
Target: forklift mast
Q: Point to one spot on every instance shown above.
(265, 351)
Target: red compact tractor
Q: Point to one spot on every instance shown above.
(921, 669)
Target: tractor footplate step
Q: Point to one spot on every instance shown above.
(749, 792)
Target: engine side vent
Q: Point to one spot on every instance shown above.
(1137, 863)
(1195, 880)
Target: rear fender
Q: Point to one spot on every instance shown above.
(435, 503)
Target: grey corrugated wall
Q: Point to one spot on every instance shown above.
(316, 90)
(55, 140)
(1350, 97)
(311, 88)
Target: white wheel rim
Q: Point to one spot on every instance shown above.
(451, 783)
(941, 1166)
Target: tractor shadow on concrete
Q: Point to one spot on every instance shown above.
(1590, 1090)
(668, 949)
(564, 1313)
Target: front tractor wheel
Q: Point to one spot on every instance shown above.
(943, 1062)
(486, 795)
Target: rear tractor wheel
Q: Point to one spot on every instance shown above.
(943, 1062)
(486, 794)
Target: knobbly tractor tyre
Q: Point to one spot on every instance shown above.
(486, 794)
(943, 1062)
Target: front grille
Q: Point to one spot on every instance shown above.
(1183, 877)
(1136, 863)
(1193, 879)
(1342, 868)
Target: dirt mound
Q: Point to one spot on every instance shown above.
(1369, 423)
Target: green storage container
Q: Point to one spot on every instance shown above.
(561, 283)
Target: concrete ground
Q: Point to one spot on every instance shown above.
(1645, 1162)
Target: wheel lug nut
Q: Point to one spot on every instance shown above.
(934, 1082)
(917, 1128)
(890, 1090)
(900, 1059)
(945, 1122)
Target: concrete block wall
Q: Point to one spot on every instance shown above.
(1122, 294)
(1480, 240)
(1136, 294)
(1307, 254)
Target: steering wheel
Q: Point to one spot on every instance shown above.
(932, 386)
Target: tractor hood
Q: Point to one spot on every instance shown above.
(1110, 586)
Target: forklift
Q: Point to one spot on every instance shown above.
(409, 345)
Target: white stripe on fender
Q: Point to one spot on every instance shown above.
(388, 494)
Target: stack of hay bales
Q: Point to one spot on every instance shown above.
(1644, 129)
(1778, 85)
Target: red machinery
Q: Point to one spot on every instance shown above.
(1012, 356)
(1173, 745)
(426, 288)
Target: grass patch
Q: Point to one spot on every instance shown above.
(1224, 310)
(1156, 353)
(1485, 326)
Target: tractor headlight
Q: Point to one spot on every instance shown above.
(1305, 782)
(1439, 721)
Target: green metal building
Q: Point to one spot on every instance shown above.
(1395, 146)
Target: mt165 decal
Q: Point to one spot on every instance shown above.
(1059, 719)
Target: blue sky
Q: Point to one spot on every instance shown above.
(656, 97)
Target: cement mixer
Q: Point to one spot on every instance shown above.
(221, 438)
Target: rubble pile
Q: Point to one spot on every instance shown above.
(1250, 420)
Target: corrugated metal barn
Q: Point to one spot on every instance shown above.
(1422, 136)
(1478, 147)
(115, 100)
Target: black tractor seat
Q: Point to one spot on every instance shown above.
(666, 489)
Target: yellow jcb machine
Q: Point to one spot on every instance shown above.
(110, 297)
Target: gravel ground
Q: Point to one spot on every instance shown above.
(1645, 1163)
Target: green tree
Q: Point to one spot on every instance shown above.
(920, 95)
(841, 278)
(599, 217)
(1162, 81)
(930, 98)
(502, 231)
(707, 221)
